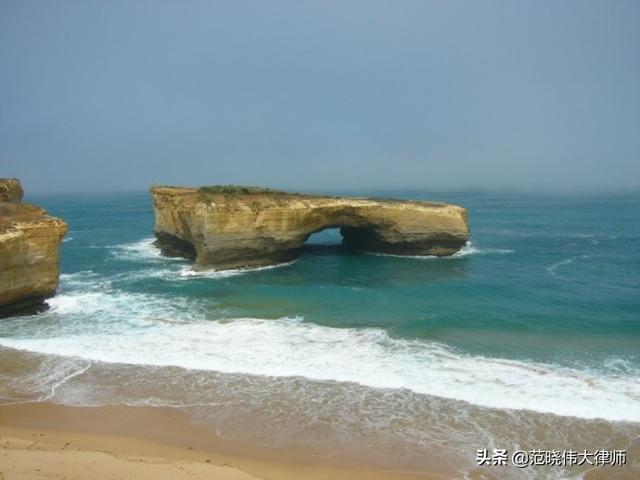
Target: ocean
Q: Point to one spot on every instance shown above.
(529, 337)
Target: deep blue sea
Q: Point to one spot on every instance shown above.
(539, 314)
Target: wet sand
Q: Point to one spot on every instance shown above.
(41, 440)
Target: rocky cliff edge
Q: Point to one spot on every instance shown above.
(29, 251)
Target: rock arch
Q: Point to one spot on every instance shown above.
(235, 227)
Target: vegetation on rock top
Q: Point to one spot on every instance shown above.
(241, 189)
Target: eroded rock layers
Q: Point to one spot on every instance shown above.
(29, 251)
(235, 227)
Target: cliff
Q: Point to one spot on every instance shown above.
(10, 190)
(29, 251)
(232, 227)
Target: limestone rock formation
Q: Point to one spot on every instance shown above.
(10, 190)
(29, 251)
(234, 227)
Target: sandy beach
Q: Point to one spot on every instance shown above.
(40, 440)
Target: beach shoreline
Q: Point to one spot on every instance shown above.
(56, 441)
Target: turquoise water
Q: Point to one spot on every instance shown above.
(553, 279)
(540, 313)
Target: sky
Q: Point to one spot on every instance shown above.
(321, 95)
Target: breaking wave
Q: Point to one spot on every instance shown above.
(467, 250)
(169, 331)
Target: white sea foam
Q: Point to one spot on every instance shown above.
(123, 309)
(159, 332)
(144, 250)
(140, 250)
(188, 272)
(40, 383)
(79, 278)
(85, 280)
(470, 249)
(154, 329)
(552, 269)
(467, 250)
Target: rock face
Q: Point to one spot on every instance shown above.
(29, 251)
(10, 190)
(234, 227)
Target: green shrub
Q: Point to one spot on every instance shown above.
(239, 190)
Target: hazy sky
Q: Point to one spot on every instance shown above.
(117, 95)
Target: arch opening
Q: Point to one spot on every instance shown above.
(342, 239)
(324, 237)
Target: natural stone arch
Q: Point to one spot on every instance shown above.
(224, 227)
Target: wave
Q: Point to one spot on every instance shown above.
(38, 382)
(94, 321)
(89, 281)
(467, 250)
(141, 250)
(552, 269)
(145, 251)
(408, 430)
(112, 307)
(160, 332)
(188, 272)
